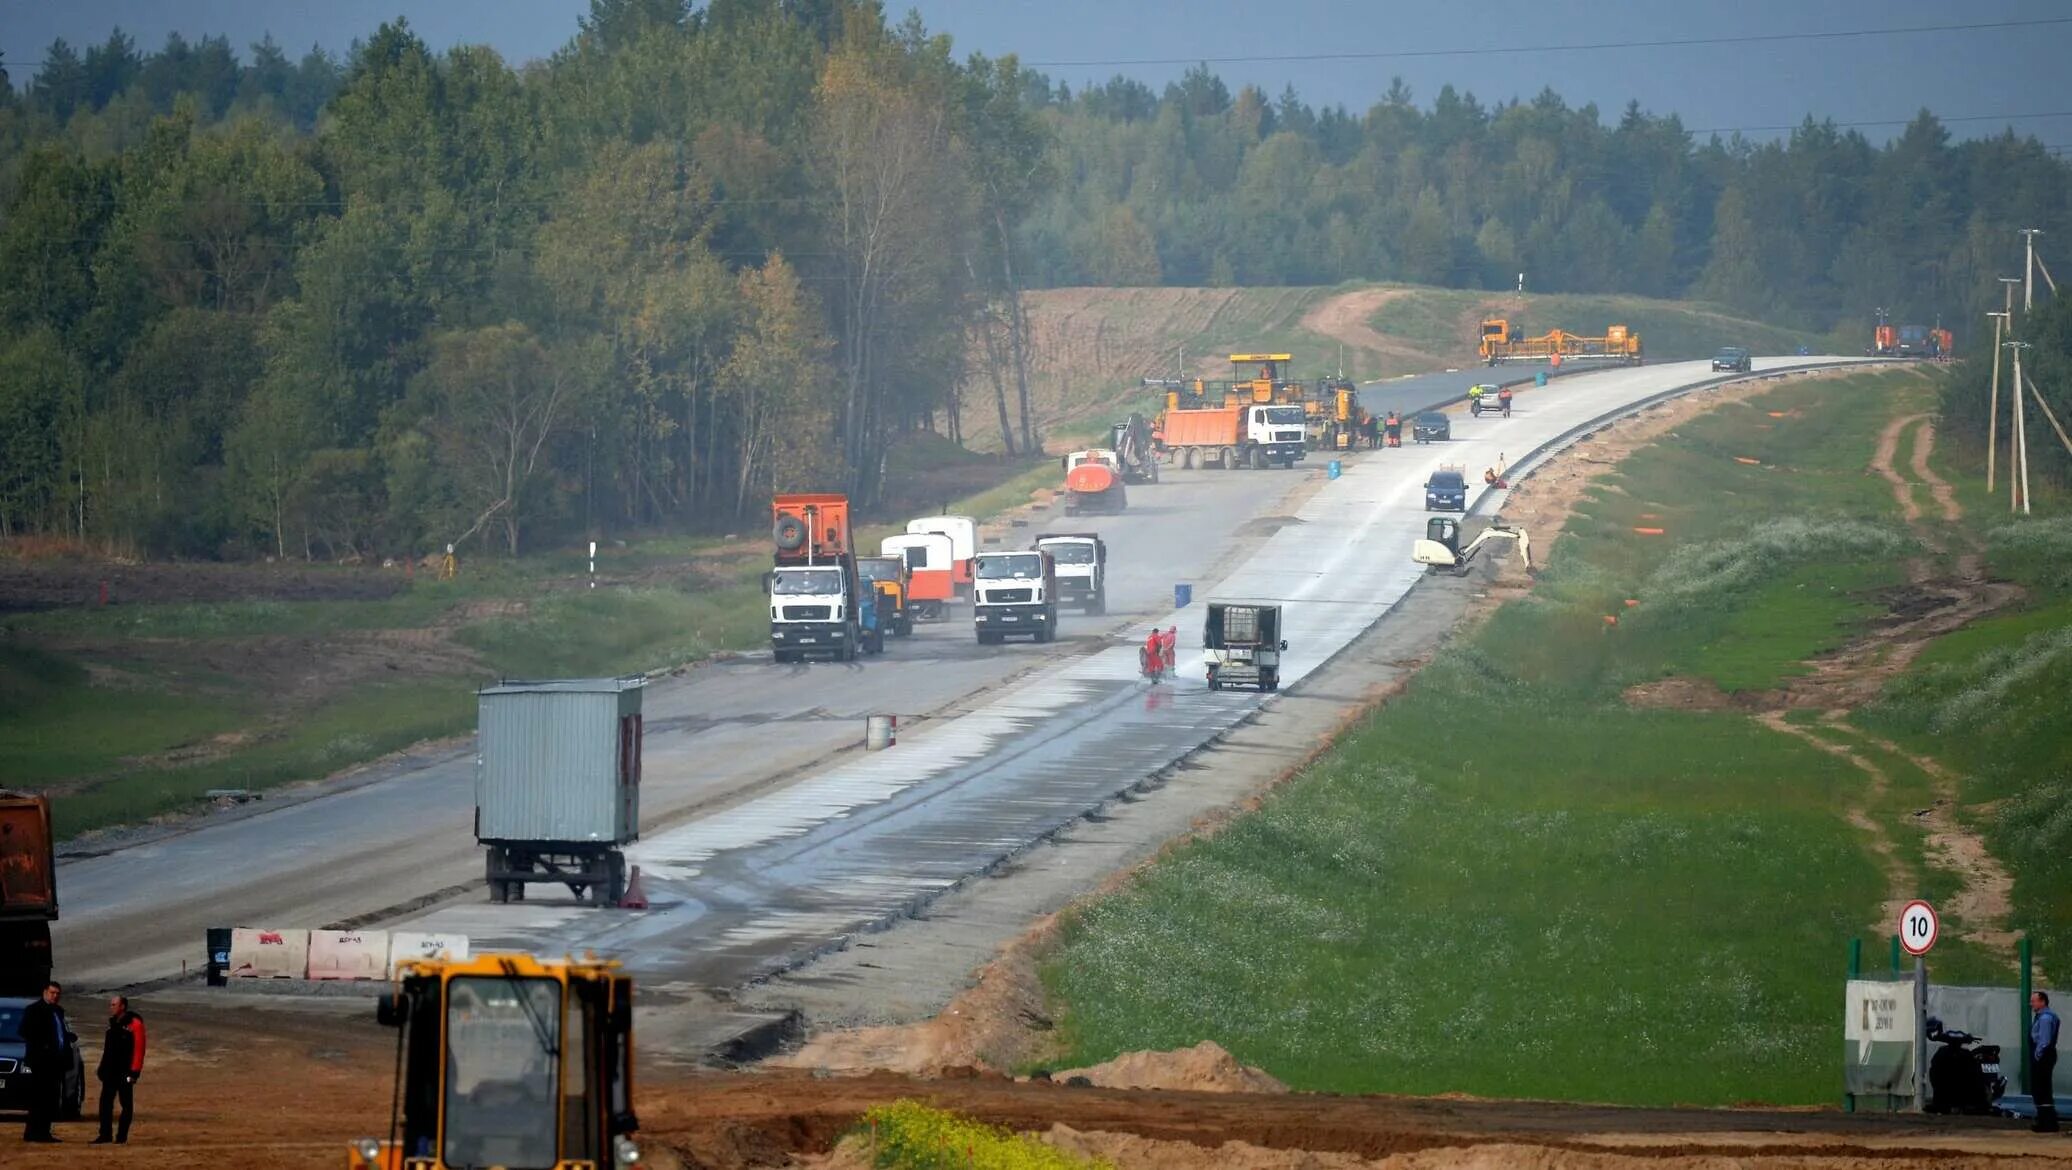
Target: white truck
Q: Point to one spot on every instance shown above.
(1014, 593)
(1082, 567)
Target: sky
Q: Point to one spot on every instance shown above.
(1879, 81)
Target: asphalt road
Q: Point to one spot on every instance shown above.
(766, 835)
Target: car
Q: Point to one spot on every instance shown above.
(1447, 490)
(14, 1084)
(1431, 427)
(1734, 358)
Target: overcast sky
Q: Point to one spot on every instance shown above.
(1996, 72)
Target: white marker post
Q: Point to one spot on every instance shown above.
(593, 564)
(1918, 928)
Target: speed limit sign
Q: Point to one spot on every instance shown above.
(1918, 927)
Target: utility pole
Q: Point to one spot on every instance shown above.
(1993, 401)
(2029, 268)
(2018, 456)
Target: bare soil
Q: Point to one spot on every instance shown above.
(66, 581)
(271, 1089)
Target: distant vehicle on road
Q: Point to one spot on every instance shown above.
(1734, 358)
(1431, 427)
(1014, 593)
(14, 1083)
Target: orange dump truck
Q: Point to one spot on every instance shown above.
(28, 892)
(1093, 483)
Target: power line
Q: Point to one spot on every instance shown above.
(1496, 50)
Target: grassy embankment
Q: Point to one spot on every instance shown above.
(1510, 881)
(136, 710)
(1670, 330)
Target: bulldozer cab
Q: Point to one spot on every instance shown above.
(507, 1061)
(1444, 531)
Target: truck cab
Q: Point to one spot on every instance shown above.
(1242, 645)
(1014, 593)
(818, 603)
(891, 578)
(1081, 560)
(1277, 434)
(1447, 490)
(931, 572)
(962, 532)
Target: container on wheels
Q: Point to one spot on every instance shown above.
(557, 784)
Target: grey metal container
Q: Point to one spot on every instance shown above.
(559, 762)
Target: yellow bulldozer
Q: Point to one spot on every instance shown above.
(508, 1061)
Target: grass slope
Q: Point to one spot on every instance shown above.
(1508, 881)
(1670, 330)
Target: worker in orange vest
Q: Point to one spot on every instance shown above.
(1167, 647)
(1152, 655)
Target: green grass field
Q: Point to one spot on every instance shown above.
(1507, 881)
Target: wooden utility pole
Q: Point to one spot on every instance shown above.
(1993, 400)
(2018, 465)
(2029, 269)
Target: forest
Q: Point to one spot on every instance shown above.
(255, 303)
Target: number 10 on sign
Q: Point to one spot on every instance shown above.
(1918, 927)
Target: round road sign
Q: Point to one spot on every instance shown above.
(1918, 927)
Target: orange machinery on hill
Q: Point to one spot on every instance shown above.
(1504, 340)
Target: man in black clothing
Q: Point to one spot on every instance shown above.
(122, 1062)
(49, 1042)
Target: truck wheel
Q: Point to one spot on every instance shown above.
(499, 890)
(1185, 457)
(906, 626)
(1098, 604)
(1269, 680)
(1230, 459)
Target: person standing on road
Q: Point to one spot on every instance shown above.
(122, 1062)
(2043, 1059)
(49, 1042)
(1167, 647)
(1153, 653)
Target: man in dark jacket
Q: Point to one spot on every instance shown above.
(122, 1062)
(49, 1042)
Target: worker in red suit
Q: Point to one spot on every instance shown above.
(122, 1062)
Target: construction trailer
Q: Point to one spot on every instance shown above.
(557, 784)
(1503, 340)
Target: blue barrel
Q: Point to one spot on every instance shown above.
(1331, 469)
(1540, 379)
(1182, 596)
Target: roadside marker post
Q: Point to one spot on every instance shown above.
(593, 564)
(1918, 927)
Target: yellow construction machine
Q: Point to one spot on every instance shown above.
(1504, 340)
(508, 1061)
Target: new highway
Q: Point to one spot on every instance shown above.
(767, 835)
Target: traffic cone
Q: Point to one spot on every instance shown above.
(634, 898)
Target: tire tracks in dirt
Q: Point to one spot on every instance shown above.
(1855, 675)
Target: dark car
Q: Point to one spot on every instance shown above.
(1733, 358)
(1431, 427)
(14, 1083)
(1447, 491)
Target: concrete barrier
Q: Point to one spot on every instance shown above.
(268, 954)
(348, 954)
(411, 944)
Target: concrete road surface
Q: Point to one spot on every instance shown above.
(381, 841)
(776, 878)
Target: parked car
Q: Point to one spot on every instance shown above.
(1734, 358)
(14, 1083)
(1431, 427)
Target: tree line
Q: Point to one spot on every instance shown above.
(401, 298)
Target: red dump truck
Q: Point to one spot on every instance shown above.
(28, 892)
